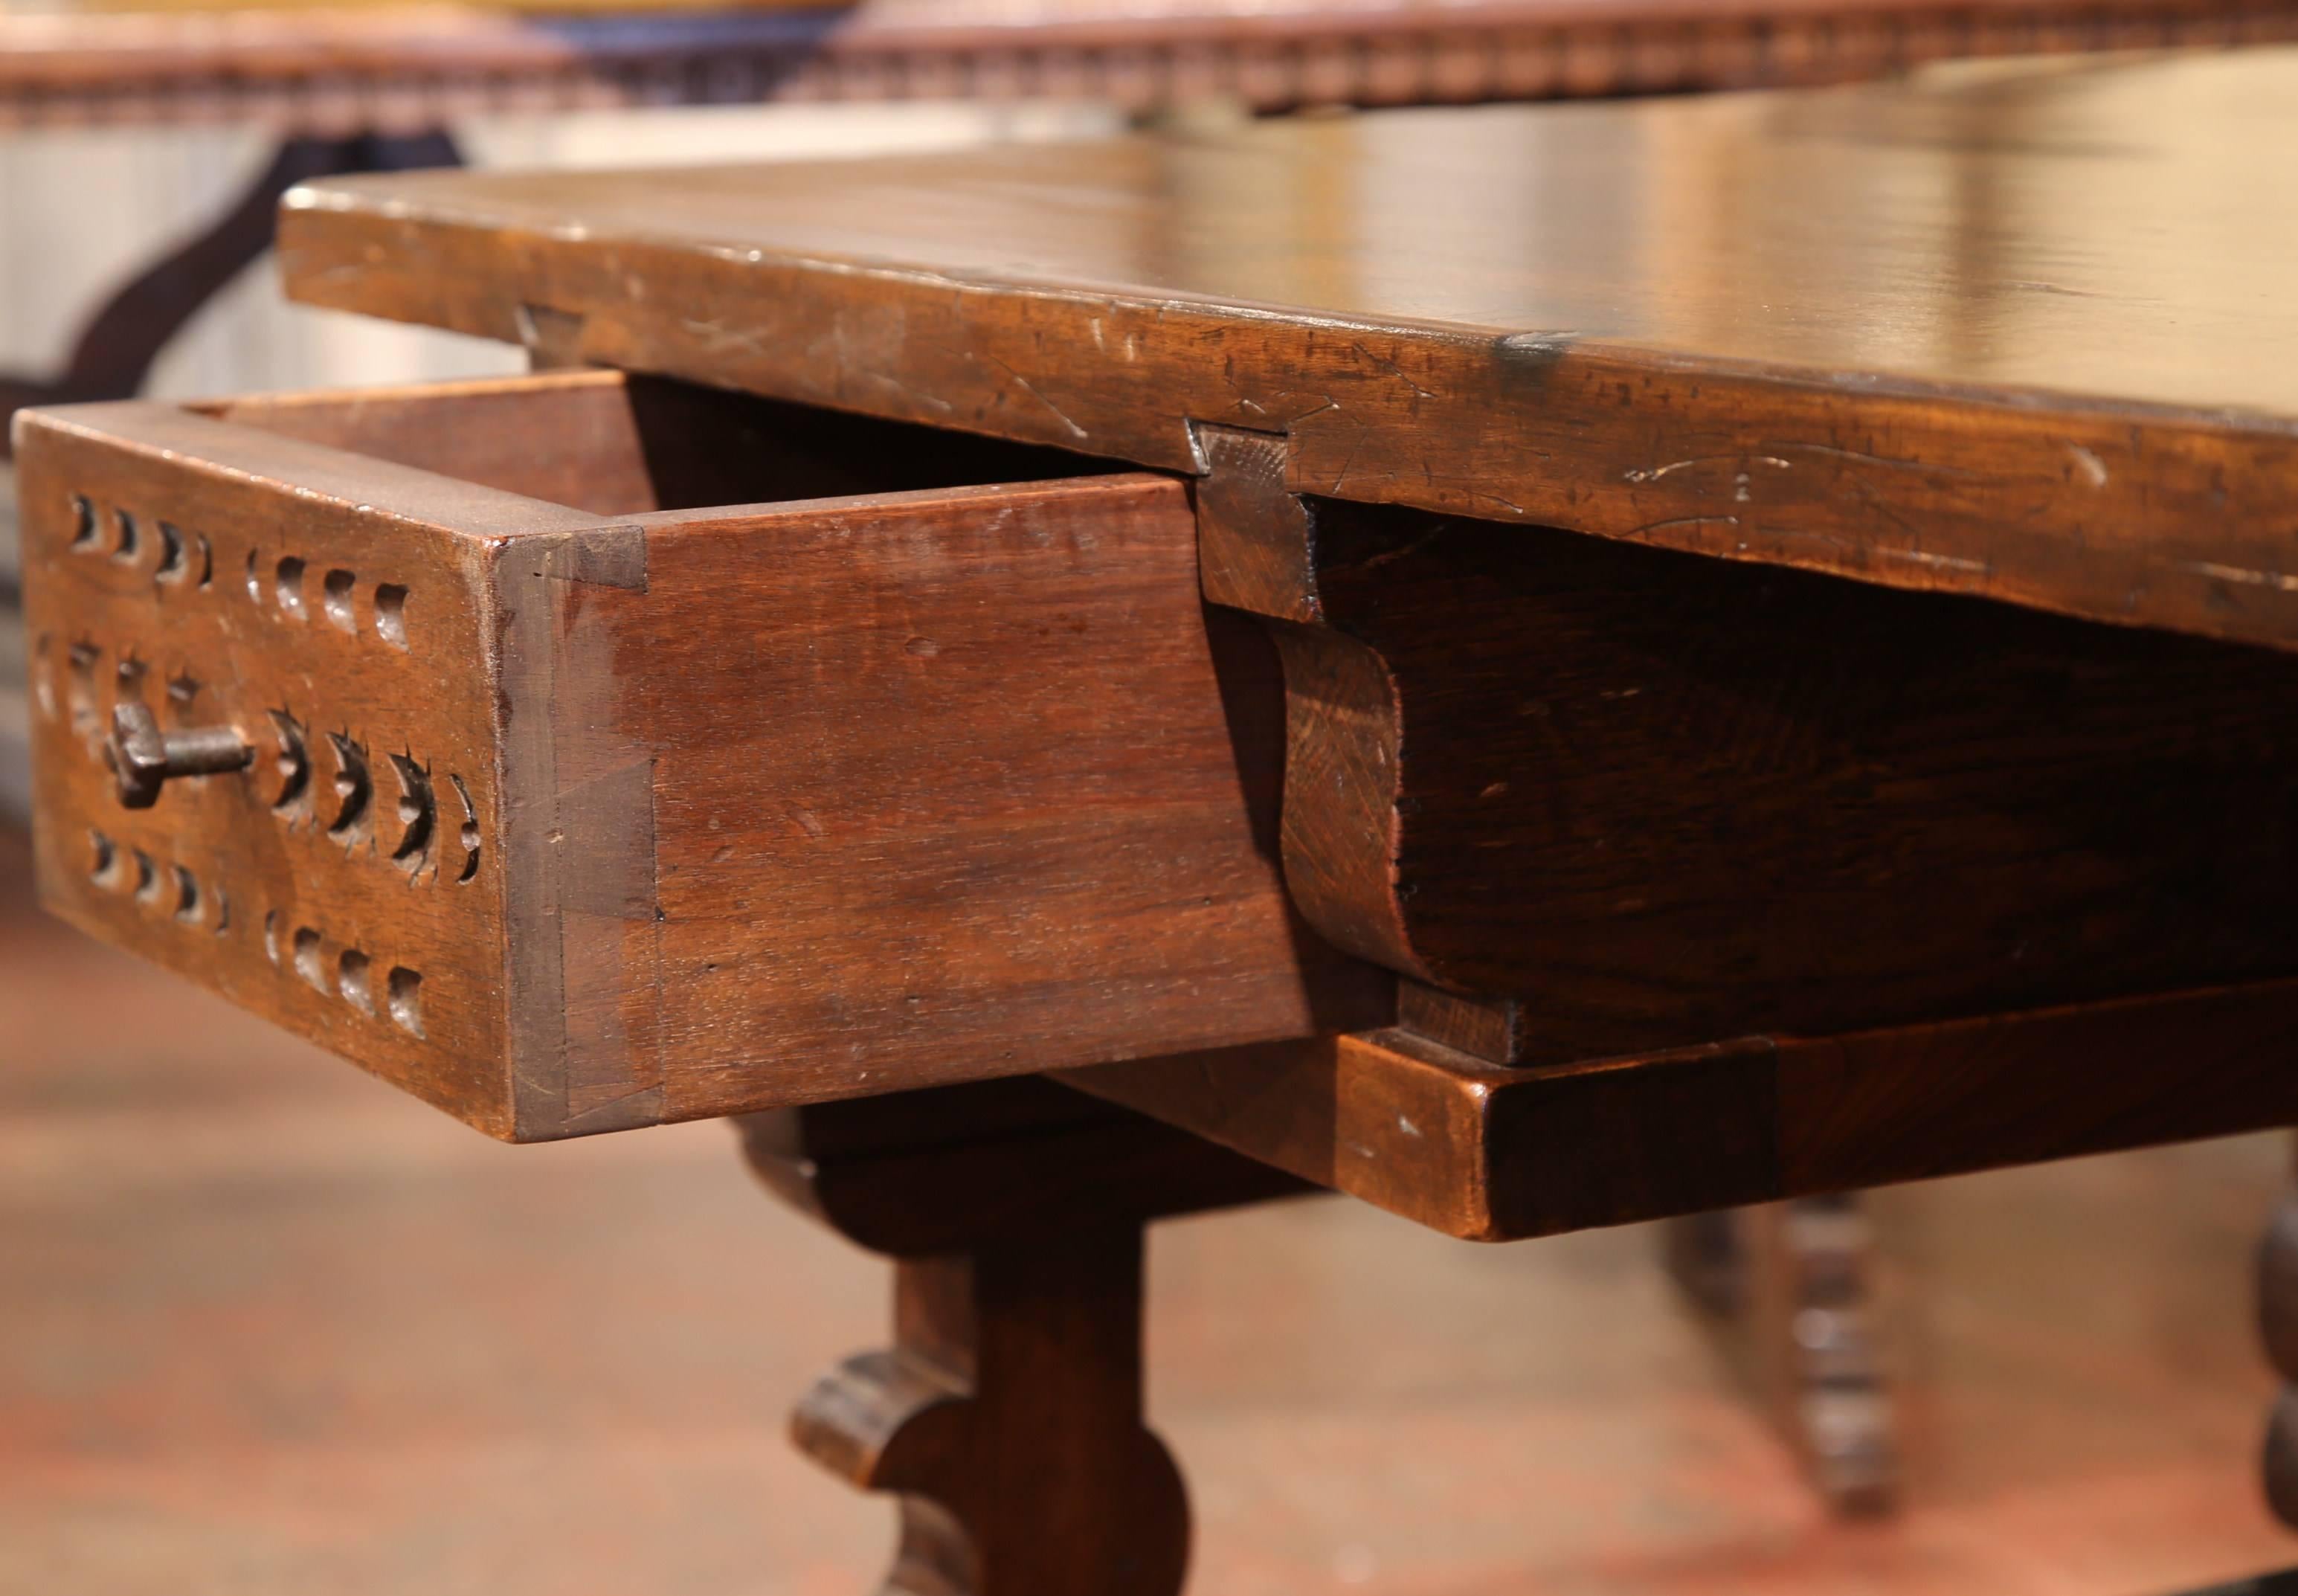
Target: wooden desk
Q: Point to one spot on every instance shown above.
(1774, 613)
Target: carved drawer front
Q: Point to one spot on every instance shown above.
(456, 730)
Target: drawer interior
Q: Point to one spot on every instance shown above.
(612, 445)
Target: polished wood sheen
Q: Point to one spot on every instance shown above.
(1643, 799)
(1490, 1152)
(2019, 331)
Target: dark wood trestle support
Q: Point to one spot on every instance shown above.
(1007, 1415)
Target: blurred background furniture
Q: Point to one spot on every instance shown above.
(1790, 1291)
(341, 70)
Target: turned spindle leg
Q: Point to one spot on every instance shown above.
(1787, 1285)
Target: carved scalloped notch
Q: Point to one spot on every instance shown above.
(80, 693)
(354, 792)
(404, 993)
(416, 814)
(293, 760)
(469, 836)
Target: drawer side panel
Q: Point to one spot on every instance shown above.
(942, 786)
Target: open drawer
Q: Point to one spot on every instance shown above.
(466, 732)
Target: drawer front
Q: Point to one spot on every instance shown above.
(347, 880)
(578, 813)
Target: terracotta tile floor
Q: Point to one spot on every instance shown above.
(266, 1327)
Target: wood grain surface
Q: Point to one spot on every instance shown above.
(2015, 331)
(1654, 799)
(1494, 1154)
(180, 562)
(948, 1170)
(1007, 1415)
(571, 816)
(1006, 1419)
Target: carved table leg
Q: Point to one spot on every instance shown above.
(1008, 1418)
(2277, 1317)
(115, 351)
(1786, 1285)
(1007, 1415)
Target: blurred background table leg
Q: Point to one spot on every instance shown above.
(1788, 1291)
